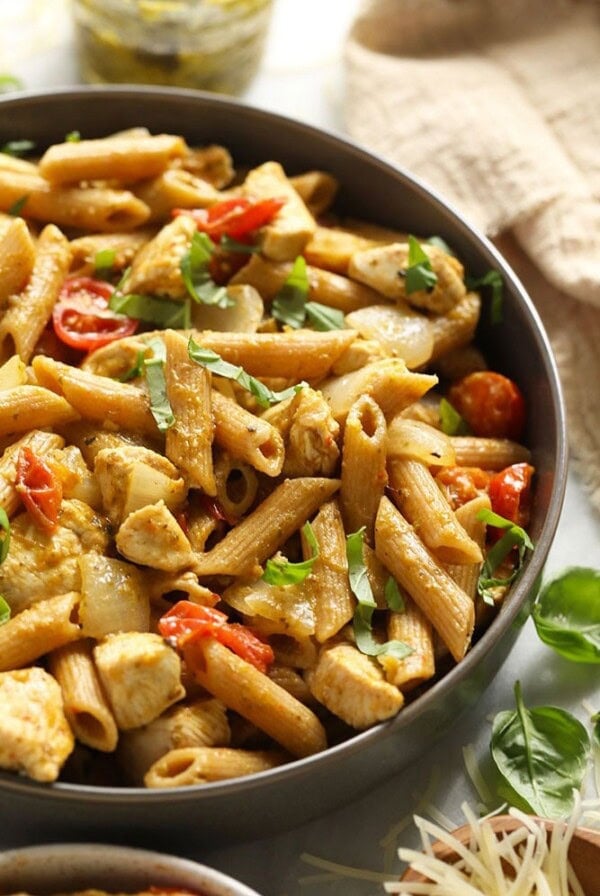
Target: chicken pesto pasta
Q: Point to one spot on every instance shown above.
(258, 486)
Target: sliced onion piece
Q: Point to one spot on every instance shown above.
(404, 332)
(419, 441)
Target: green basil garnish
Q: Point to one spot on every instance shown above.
(451, 422)
(5, 541)
(363, 614)
(104, 262)
(4, 611)
(17, 148)
(162, 313)
(194, 269)
(154, 370)
(514, 537)
(419, 275)
(541, 755)
(283, 572)
(134, 372)
(393, 596)
(290, 305)
(567, 615)
(231, 245)
(215, 363)
(18, 206)
(73, 137)
(494, 280)
(440, 243)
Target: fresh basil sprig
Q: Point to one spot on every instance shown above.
(451, 422)
(17, 148)
(4, 611)
(283, 572)
(136, 370)
(5, 541)
(194, 267)
(494, 280)
(542, 756)
(419, 275)
(163, 313)
(290, 305)
(567, 615)
(154, 370)
(73, 137)
(104, 262)
(215, 363)
(363, 614)
(514, 537)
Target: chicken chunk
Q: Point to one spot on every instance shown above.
(156, 268)
(352, 687)
(40, 565)
(310, 433)
(152, 536)
(35, 737)
(141, 676)
(384, 268)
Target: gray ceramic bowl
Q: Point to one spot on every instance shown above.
(72, 867)
(268, 802)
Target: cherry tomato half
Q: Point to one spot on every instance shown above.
(462, 484)
(510, 493)
(40, 489)
(236, 218)
(82, 318)
(492, 404)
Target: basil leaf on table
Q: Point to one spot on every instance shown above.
(542, 756)
(567, 615)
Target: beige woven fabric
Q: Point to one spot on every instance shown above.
(496, 103)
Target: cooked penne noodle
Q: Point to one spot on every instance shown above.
(174, 188)
(448, 608)
(254, 696)
(317, 189)
(85, 705)
(24, 405)
(332, 248)
(121, 158)
(237, 486)
(38, 630)
(333, 601)
(122, 246)
(364, 474)
(28, 312)
(466, 575)
(247, 437)
(490, 454)
(17, 257)
(198, 765)
(411, 627)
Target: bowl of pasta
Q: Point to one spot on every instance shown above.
(283, 456)
(104, 869)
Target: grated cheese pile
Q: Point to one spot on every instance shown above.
(525, 862)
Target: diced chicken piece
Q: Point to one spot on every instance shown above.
(141, 676)
(39, 565)
(156, 267)
(293, 225)
(131, 477)
(311, 444)
(118, 357)
(352, 687)
(152, 537)
(384, 268)
(35, 737)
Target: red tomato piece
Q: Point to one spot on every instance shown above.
(82, 318)
(510, 493)
(185, 622)
(214, 509)
(462, 484)
(491, 403)
(40, 489)
(236, 218)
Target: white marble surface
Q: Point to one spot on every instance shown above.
(302, 77)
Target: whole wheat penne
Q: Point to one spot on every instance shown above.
(448, 608)
(85, 705)
(119, 158)
(38, 630)
(24, 405)
(17, 256)
(332, 248)
(333, 601)
(122, 246)
(459, 362)
(466, 575)
(246, 690)
(301, 354)
(29, 312)
(189, 441)
(267, 528)
(41, 443)
(490, 454)
(247, 437)
(237, 485)
(105, 401)
(212, 163)
(411, 627)
(317, 189)
(456, 327)
(87, 208)
(175, 188)
(364, 475)
(198, 765)
(421, 501)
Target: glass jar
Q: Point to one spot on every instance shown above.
(205, 44)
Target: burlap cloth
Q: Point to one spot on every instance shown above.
(496, 104)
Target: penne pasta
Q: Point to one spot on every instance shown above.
(364, 474)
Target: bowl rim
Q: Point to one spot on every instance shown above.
(526, 583)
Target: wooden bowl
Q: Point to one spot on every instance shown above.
(584, 850)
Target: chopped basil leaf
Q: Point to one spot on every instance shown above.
(419, 274)
(567, 615)
(18, 206)
(363, 613)
(495, 281)
(542, 756)
(5, 541)
(8, 83)
(104, 261)
(73, 137)
(514, 536)
(323, 318)
(4, 611)
(154, 369)
(451, 422)
(439, 243)
(135, 371)
(163, 313)
(282, 572)
(196, 275)
(215, 363)
(231, 245)
(393, 596)
(17, 148)
(290, 305)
